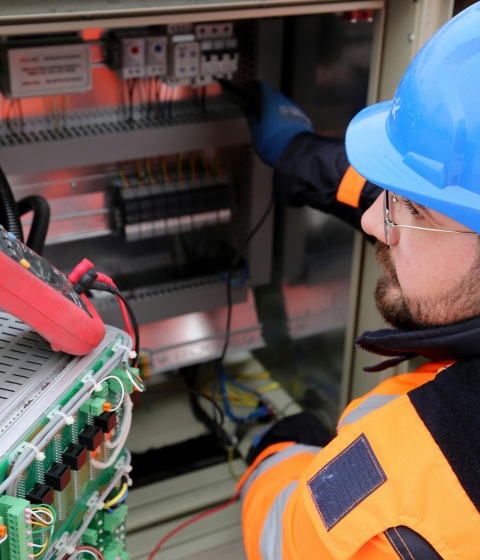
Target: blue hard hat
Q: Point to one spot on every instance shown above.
(425, 143)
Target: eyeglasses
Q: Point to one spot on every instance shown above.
(399, 208)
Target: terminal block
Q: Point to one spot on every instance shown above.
(18, 543)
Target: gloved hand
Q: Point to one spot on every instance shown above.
(274, 122)
(303, 427)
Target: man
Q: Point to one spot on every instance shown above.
(401, 479)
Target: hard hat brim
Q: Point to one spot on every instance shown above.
(371, 152)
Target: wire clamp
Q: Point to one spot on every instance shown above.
(40, 455)
(69, 420)
(88, 378)
(119, 346)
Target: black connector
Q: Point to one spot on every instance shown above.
(58, 476)
(106, 421)
(40, 494)
(91, 437)
(75, 456)
(85, 281)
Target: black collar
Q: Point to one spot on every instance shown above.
(447, 342)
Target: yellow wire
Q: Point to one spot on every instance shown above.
(40, 524)
(139, 173)
(260, 375)
(55, 112)
(117, 498)
(163, 162)
(43, 549)
(63, 100)
(123, 177)
(193, 165)
(150, 174)
(179, 167)
(145, 366)
(242, 397)
(206, 167)
(230, 464)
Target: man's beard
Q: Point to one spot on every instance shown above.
(458, 304)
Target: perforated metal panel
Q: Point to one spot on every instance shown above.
(32, 376)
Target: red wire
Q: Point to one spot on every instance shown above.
(84, 266)
(91, 549)
(197, 517)
(126, 318)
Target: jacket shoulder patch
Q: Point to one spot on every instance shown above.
(346, 481)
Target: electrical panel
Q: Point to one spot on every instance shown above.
(150, 173)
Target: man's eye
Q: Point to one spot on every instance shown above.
(411, 208)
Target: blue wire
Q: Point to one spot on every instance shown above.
(120, 501)
(235, 383)
(241, 281)
(259, 412)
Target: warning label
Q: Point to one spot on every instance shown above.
(49, 70)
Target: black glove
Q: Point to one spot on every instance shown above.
(303, 427)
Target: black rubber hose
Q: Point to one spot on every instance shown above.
(40, 221)
(9, 215)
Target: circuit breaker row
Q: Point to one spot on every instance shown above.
(180, 55)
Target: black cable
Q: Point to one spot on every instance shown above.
(41, 218)
(203, 99)
(189, 375)
(104, 287)
(131, 84)
(235, 261)
(190, 391)
(134, 322)
(9, 215)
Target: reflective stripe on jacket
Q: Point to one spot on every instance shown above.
(386, 487)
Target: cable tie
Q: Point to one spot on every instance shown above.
(68, 419)
(40, 455)
(131, 353)
(95, 386)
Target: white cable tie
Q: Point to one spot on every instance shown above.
(131, 353)
(95, 386)
(68, 419)
(40, 455)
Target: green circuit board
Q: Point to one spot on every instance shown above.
(56, 500)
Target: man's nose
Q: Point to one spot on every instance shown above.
(373, 220)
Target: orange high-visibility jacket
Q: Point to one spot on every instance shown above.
(399, 480)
